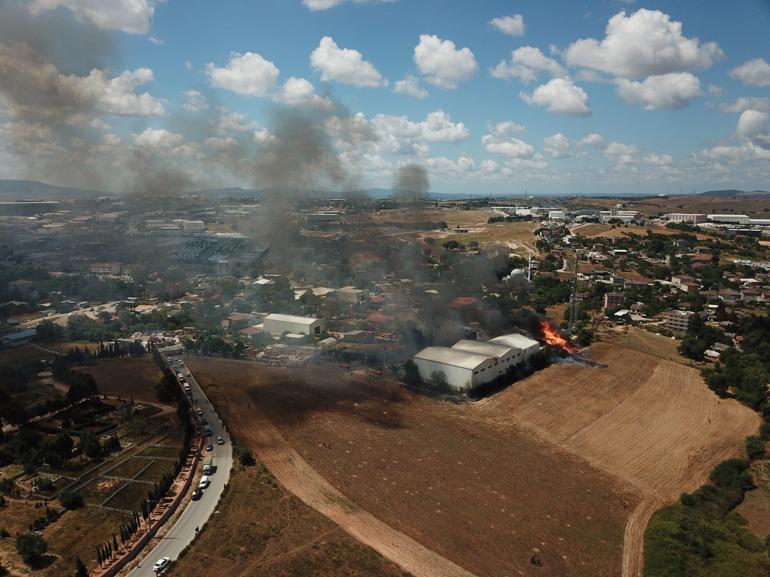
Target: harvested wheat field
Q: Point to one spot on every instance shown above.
(651, 422)
(428, 484)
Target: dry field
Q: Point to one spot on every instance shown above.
(607, 231)
(264, 531)
(409, 215)
(132, 378)
(73, 535)
(650, 422)
(643, 341)
(696, 203)
(431, 485)
(518, 235)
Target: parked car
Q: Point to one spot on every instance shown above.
(200, 412)
(161, 564)
(197, 494)
(209, 447)
(220, 441)
(204, 482)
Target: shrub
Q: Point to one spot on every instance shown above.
(245, 458)
(755, 447)
(31, 547)
(71, 500)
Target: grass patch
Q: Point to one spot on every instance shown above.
(130, 497)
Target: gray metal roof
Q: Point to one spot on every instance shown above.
(290, 319)
(515, 340)
(452, 357)
(497, 350)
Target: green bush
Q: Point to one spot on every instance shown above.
(755, 447)
(31, 547)
(244, 456)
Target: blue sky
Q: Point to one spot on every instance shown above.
(551, 96)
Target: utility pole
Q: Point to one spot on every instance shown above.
(529, 267)
(573, 311)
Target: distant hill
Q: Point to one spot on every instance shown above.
(33, 190)
(732, 193)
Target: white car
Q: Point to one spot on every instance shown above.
(161, 564)
(204, 483)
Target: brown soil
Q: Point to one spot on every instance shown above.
(428, 484)
(262, 530)
(132, 378)
(651, 422)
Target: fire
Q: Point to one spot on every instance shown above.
(553, 338)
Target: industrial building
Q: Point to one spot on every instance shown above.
(686, 217)
(278, 324)
(469, 364)
(729, 218)
(463, 371)
(529, 347)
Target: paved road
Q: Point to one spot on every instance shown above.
(197, 512)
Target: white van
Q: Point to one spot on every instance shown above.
(207, 469)
(204, 482)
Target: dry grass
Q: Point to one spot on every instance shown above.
(646, 342)
(607, 231)
(132, 378)
(264, 531)
(516, 234)
(432, 472)
(756, 505)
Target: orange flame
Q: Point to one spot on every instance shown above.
(553, 338)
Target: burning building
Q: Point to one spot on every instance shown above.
(468, 364)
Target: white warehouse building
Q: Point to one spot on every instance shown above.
(528, 347)
(464, 371)
(278, 324)
(469, 364)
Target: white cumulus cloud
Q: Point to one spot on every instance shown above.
(557, 145)
(298, 92)
(592, 139)
(752, 123)
(318, 5)
(344, 65)
(410, 86)
(755, 72)
(132, 16)
(194, 101)
(646, 43)
(442, 63)
(155, 138)
(674, 90)
(559, 95)
(246, 74)
(526, 64)
(510, 25)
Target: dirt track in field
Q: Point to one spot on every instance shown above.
(424, 482)
(296, 475)
(651, 422)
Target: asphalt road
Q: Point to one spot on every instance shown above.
(197, 512)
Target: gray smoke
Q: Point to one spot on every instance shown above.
(412, 183)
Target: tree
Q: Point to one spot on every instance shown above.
(438, 378)
(755, 447)
(411, 374)
(245, 458)
(71, 500)
(31, 547)
(80, 568)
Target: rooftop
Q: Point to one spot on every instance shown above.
(515, 340)
(496, 350)
(452, 357)
(290, 319)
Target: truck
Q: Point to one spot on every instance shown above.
(208, 467)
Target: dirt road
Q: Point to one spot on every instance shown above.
(296, 475)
